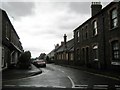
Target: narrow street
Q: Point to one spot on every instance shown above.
(56, 76)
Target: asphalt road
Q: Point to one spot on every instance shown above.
(55, 76)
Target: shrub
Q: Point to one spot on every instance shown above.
(24, 61)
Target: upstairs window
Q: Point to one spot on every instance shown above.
(78, 35)
(7, 30)
(95, 32)
(115, 50)
(82, 34)
(114, 19)
(86, 33)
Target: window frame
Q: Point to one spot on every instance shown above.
(86, 32)
(78, 35)
(113, 19)
(95, 53)
(3, 58)
(113, 50)
(78, 53)
(71, 56)
(95, 28)
(7, 30)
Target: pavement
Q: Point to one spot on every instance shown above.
(104, 73)
(11, 74)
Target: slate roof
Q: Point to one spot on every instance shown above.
(53, 51)
(69, 46)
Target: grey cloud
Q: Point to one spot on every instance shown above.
(36, 50)
(80, 7)
(43, 32)
(18, 9)
(68, 25)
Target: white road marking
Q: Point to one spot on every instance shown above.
(81, 86)
(9, 85)
(73, 85)
(117, 86)
(63, 71)
(100, 87)
(59, 87)
(46, 86)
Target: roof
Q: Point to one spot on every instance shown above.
(5, 14)
(69, 46)
(53, 51)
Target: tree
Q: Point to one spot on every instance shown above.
(24, 61)
(42, 56)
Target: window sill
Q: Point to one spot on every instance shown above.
(96, 60)
(7, 38)
(113, 28)
(115, 63)
(94, 35)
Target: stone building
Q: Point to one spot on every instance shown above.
(97, 40)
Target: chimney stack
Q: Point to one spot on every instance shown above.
(65, 39)
(62, 43)
(56, 46)
(95, 8)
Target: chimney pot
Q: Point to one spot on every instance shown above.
(95, 7)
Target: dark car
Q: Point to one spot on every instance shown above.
(39, 63)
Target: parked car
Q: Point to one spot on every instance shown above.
(39, 63)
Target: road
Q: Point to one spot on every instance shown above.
(55, 76)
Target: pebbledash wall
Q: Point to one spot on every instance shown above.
(97, 41)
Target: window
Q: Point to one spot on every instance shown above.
(115, 50)
(62, 56)
(66, 56)
(7, 31)
(59, 56)
(71, 56)
(78, 54)
(2, 56)
(95, 32)
(82, 34)
(95, 52)
(86, 33)
(78, 35)
(114, 19)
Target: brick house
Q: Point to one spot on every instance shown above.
(97, 41)
(11, 45)
(65, 53)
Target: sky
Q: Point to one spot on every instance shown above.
(42, 24)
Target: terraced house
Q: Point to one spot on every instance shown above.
(11, 45)
(65, 53)
(97, 41)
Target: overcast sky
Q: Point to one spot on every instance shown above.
(41, 25)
